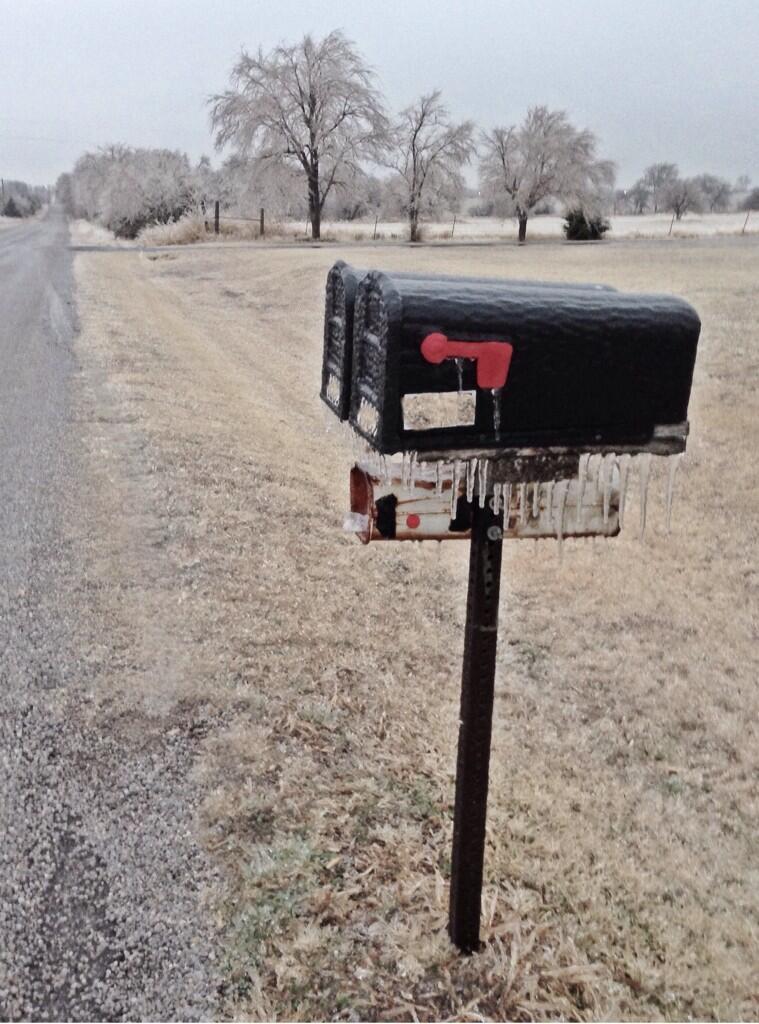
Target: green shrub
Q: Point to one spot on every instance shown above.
(11, 209)
(580, 226)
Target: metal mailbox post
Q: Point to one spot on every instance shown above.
(516, 408)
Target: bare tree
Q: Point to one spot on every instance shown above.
(545, 157)
(312, 105)
(658, 178)
(682, 196)
(427, 152)
(716, 191)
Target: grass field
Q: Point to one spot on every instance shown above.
(622, 865)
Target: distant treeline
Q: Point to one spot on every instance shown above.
(17, 199)
(311, 133)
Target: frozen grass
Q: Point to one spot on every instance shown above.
(86, 232)
(490, 228)
(195, 228)
(622, 867)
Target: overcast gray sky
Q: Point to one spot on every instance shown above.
(656, 80)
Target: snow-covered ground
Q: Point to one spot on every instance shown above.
(487, 228)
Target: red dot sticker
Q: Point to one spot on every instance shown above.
(412, 521)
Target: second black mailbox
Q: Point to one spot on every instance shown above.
(342, 285)
(550, 366)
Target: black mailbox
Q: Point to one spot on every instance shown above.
(546, 381)
(342, 286)
(551, 366)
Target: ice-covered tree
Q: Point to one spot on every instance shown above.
(658, 179)
(20, 199)
(427, 153)
(313, 106)
(716, 191)
(246, 184)
(682, 196)
(639, 197)
(127, 189)
(145, 186)
(545, 157)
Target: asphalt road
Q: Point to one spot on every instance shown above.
(100, 875)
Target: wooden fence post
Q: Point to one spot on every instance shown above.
(216, 217)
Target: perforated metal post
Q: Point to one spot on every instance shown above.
(477, 689)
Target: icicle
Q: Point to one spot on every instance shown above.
(582, 475)
(523, 504)
(645, 469)
(482, 482)
(601, 478)
(561, 507)
(455, 487)
(674, 462)
(507, 489)
(413, 469)
(460, 396)
(497, 488)
(439, 477)
(624, 474)
(594, 472)
(609, 461)
(549, 499)
(471, 470)
(535, 500)
(460, 374)
(496, 394)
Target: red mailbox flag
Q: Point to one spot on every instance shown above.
(493, 358)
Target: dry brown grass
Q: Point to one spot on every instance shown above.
(622, 866)
(196, 228)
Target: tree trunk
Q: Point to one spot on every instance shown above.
(522, 228)
(314, 205)
(413, 224)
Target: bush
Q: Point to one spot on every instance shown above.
(11, 209)
(580, 226)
